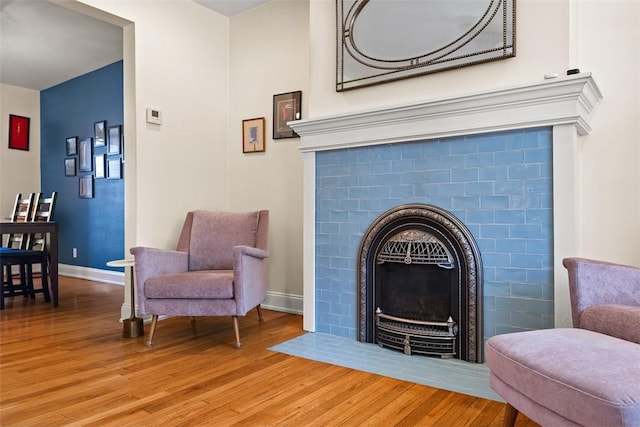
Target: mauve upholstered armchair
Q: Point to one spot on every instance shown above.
(581, 376)
(219, 268)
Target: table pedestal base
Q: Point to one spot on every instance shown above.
(132, 327)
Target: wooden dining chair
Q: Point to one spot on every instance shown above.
(33, 250)
(43, 210)
(14, 252)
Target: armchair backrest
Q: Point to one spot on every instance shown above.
(594, 282)
(210, 236)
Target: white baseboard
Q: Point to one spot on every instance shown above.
(276, 301)
(286, 303)
(95, 274)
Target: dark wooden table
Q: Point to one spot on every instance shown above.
(49, 228)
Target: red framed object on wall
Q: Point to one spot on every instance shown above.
(19, 132)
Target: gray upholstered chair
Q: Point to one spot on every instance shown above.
(219, 268)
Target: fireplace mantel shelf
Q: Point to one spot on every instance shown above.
(566, 100)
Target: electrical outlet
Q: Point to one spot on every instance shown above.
(75, 252)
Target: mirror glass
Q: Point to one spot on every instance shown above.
(385, 40)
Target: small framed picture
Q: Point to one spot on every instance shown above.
(114, 168)
(99, 165)
(253, 135)
(286, 107)
(72, 146)
(85, 155)
(19, 132)
(85, 190)
(99, 132)
(70, 167)
(115, 139)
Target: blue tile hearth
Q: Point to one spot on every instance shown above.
(447, 374)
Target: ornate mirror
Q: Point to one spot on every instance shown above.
(384, 40)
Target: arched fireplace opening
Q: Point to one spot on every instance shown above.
(420, 284)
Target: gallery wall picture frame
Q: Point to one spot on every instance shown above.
(72, 145)
(253, 135)
(19, 132)
(286, 107)
(114, 168)
(115, 139)
(99, 133)
(70, 167)
(85, 187)
(85, 155)
(99, 166)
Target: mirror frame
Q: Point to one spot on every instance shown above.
(373, 71)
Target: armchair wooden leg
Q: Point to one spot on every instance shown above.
(154, 323)
(259, 308)
(193, 319)
(510, 415)
(236, 330)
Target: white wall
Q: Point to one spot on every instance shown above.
(552, 36)
(19, 169)
(609, 47)
(268, 57)
(207, 73)
(180, 55)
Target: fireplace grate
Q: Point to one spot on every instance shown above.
(413, 336)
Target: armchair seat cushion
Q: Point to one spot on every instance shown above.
(567, 376)
(203, 284)
(620, 321)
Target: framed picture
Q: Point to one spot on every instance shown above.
(99, 165)
(115, 139)
(286, 107)
(19, 132)
(114, 168)
(253, 135)
(99, 132)
(85, 190)
(85, 155)
(72, 146)
(70, 167)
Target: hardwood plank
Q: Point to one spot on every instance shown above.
(71, 366)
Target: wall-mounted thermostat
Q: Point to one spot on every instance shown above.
(154, 116)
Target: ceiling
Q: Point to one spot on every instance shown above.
(43, 44)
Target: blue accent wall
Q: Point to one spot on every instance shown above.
(94, 226)
(499, 185)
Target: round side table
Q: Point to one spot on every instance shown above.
(133, 326)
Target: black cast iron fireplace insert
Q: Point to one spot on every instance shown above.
(420, 284)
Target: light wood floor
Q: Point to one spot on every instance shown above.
(70, 366)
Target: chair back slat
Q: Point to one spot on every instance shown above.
(42, 211)
(44, 208)
(22, 212)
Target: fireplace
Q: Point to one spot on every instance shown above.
(524, 283)
(420, 284)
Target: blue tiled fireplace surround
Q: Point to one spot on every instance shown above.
(498, 184)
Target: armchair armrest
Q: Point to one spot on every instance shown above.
(250, 277)
(150, 262)
(594, 282)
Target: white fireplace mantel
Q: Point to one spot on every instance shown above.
(566, 104)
